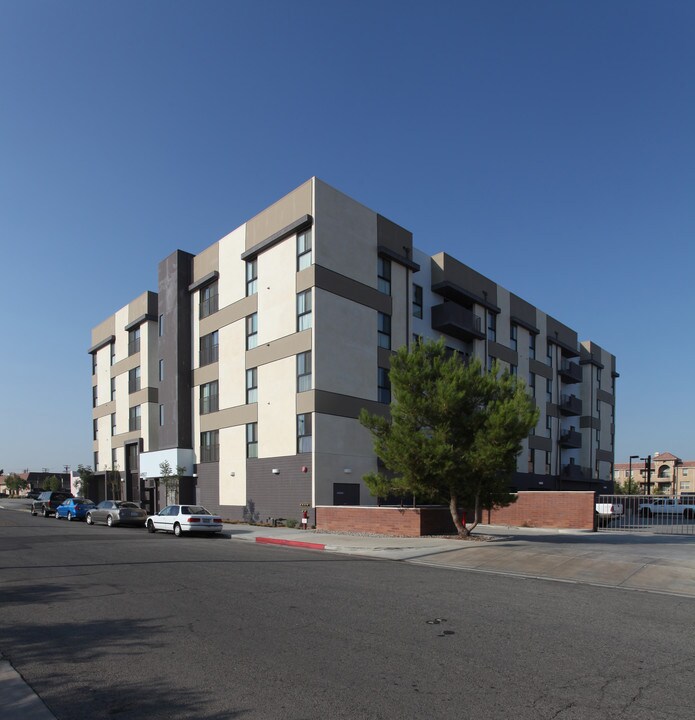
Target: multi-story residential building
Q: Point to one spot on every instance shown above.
(669, 474)
(250, 365)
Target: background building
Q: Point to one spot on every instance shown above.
(250, 365)
(670, 475)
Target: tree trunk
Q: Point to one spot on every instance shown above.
(461, 528)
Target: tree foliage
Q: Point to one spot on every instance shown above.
(171, 480)
(14, 483)
(82, 484)
(52, 483)
(454, 433)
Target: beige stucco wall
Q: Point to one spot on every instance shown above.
(233, 465)
(277, 418)
(277, 296)
(232, 370)
(232, 282)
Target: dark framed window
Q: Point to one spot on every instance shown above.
(532, 346)
(209, 397)
(304, 433)
(491, 326)
(549, 354)
(134, 418)
(417, 301)
(384, 276)
(532, 461)
(113, 389)
(251, 277)
(304, 371)
(598, 378)
(94, 363)
(304, 250)
(547, 462)
(133, 341)
(303, 310)
(384, 386)
(161, 416)
(160, 326)
(96, 459)
(113, 353)
(251, 331)
(549, 425)
(384, 331)
(134, 379)
(532, 383)
(513, 336)
(95, 429)
(513, 370)
(113, 424)
(209, 300)
(95, 396)
(251, 386)
(210, 446)
(161, 370)
(252, 440)
(209, 348)
(549, 390)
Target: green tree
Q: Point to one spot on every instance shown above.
(52, 483)
(454, 433)
(171, 481)
(14, 483)
(82, 484)
(629, 487)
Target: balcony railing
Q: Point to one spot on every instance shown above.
(457, 321)
(209, 404)
(570, 405)
(572, 471)
(571, 439)
(209, 355)
(209, 306)
(209, 453)
(570, 372)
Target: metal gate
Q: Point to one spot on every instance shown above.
(660, 514)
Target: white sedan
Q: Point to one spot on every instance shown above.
(184, 518)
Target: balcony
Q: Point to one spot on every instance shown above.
(570, 372)
(572, 471)
(570, 405)
(571, 439)
(452, 319)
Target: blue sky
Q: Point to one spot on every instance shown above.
(549, 145)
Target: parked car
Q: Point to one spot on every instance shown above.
(605, 512)
(33, 494)
(74, 508)
(667, 506)
(47, 502)
(116, 512)
(184, 518)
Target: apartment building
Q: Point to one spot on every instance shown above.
(249, 367)
(670, 475)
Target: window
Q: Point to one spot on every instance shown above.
(549, 390)
(513, 333)
(113, 424)
(532, 346)
(134, 418)
(304, 371)
(209, 397)
(384, 385)
(251, 277)
(210, 446)
(304, 250)
(549, 425)
(94, 363)
(161, 326)
(209, 349)
(532, 461)
(113, 389)
(209, 300)
(547, 462)
(549, 354)
(95, 397)
(513, 370)
(598, 435)
(161, 415)
(490, 363)
(252, 440)
(304, 433)
(251, 385)
(684, 472)
(491, 326)
(134, 379)
(96, 459)
(113, 459)
(598, 377)
(417, 301)
(161, 370)
(95, 429)
(532, 383)
(133, 341)
(113, 353)
(251, 331)
(384, 327)
(384, 276)
(303, 310)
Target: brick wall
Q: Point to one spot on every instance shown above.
(547, 509)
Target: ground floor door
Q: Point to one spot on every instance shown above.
(346, 493)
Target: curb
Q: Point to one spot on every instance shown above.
(291, 543)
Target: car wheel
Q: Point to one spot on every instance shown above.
(177, 530)
(150, 526)
(69, 516)
(89, 519)
(46, 513)
(33, 512)
(57, 517)
(109, 521)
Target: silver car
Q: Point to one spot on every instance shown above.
(184, 518)
(117, 512)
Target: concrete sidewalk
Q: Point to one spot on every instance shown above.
(645, 562)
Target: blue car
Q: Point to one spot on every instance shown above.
(74, 509)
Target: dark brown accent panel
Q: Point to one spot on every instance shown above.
(536, 366)
(605, 396)
(536, 442)
(278, 349)
(587, 421)
(106, 341)
(350, 289)
(149, 317)
(395, 239)
(229, 314)
(297, 226)
(383, 357)
(552, 409)
(460, 283)
(604, 455)
(561, 335)
(209, 278)
(346, 405)
(523, 313)
(501, 352)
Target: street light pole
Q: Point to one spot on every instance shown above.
(629, 475)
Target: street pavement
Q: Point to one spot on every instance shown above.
(635, 562)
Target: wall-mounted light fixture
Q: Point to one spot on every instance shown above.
(275, 471)
(347, 471)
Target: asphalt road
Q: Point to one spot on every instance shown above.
(116, 623)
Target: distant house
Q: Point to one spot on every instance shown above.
(670, 475)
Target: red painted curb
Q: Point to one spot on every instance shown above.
(291, 543)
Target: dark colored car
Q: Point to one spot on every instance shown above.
(116, 512)
(47, 502)
(34, 494)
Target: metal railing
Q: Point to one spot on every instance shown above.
(658, 514)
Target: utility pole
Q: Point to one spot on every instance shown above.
(648, 468)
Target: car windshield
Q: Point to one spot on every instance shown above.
(194, 510)
(127, 504)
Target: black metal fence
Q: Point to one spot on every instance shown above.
(661, 514)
